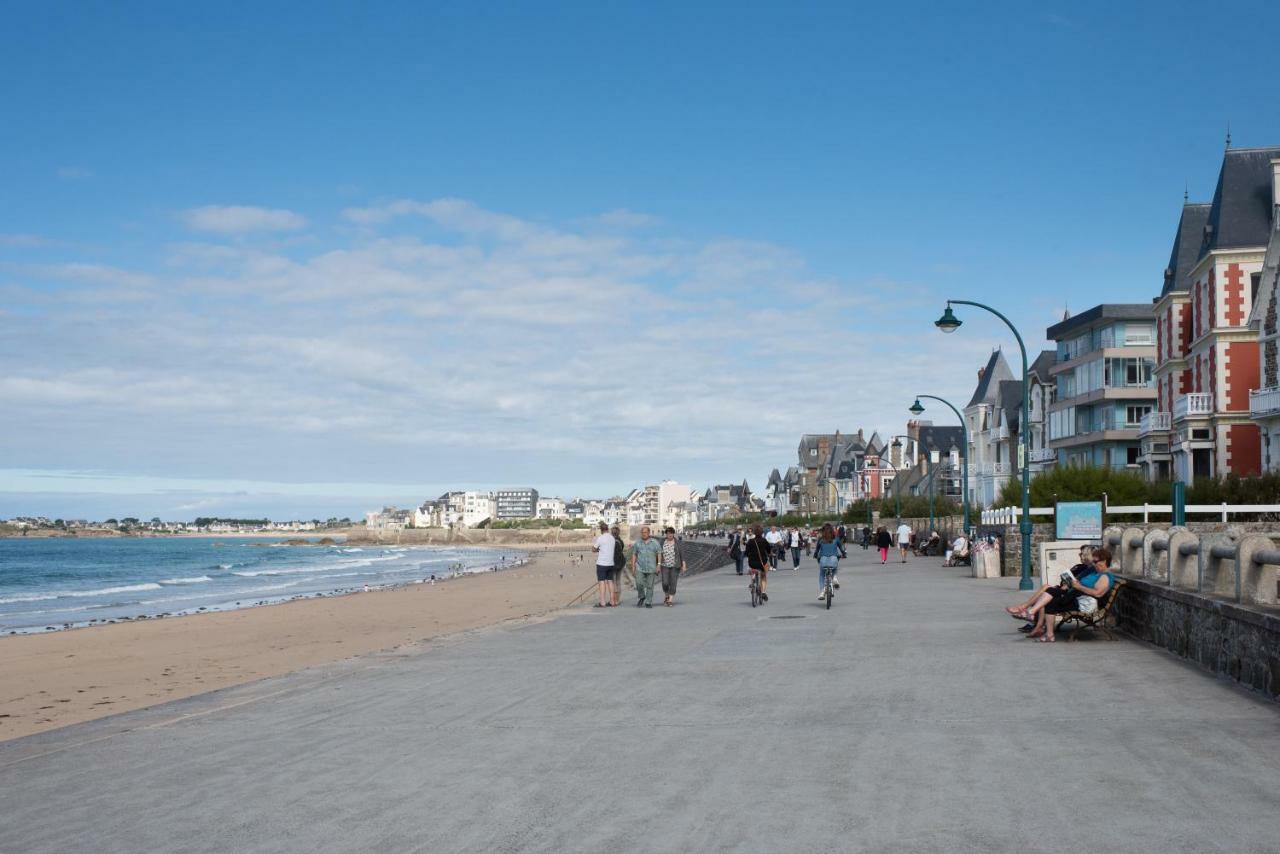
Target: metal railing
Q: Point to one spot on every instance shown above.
(1043, 455)
(1224, 511)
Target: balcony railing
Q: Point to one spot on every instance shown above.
(1043, 455)
(1197, 404)
(1155, 422)
(1264, 401)
(996, 469)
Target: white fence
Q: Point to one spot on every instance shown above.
(1224, 511)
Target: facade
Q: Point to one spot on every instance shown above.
(1264, 403)
(994, 420)
(551, 508)
(1104, 384)
(1208, 354)
(516, 503)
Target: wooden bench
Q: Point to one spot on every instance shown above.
(1097, 619)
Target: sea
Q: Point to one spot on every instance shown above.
(55, 583)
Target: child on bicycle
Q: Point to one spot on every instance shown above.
(828, 551)
(758, 559)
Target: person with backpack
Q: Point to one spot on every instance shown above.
(828, 551)
(884, 542)
(735, 549)
(619, 561)
(758, 558)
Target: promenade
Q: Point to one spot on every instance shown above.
(910, 717)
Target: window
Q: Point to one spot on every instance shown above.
(1133, 415)
(1254, 281)
(1138, 335)
(1132, 456)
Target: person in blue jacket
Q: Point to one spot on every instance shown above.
(828, 551)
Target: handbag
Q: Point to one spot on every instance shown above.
(1086, 604)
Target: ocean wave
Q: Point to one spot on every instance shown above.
(77, 594)
(194, 580)
(254, 573)
(353, 550)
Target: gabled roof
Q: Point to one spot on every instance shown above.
(1241, 212)
(940, 438)
(1046, 360)
(1010, 395)
(997, 369)
(1186, 246)
(775, 479)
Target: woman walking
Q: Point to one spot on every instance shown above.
(883, 542)
(673, 563)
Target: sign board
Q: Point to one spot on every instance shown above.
(1078, 520)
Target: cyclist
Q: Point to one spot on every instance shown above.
(758, 549)
(828, 552)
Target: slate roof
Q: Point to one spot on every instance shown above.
(1010, 397)
(1241, 212)
(996, 370)
(940, 438)
(1186, 246)
(1046, 360)
(1106, 311)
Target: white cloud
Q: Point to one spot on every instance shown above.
(98, 274)
(241, 219)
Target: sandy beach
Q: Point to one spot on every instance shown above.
(60, 678)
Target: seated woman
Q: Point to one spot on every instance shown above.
(1024, 612)
(958, 552)
(1068, 598)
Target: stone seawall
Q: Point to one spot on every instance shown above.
(1237, 642)
(704, 556)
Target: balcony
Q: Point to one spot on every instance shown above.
(1044, 455)
(1197, 404)
(1264, 401)
(1155, 422)
(995, 469)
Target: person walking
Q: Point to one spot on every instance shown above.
(672, 564)
(795, 549)
(774, 540)
(604, 549)
(904, 539)
(619, 561)
(736, 548)
(644, 563)
(884, 542)
(758, 559)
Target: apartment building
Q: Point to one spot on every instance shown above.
(516, 503)
(1104, 384)
(1264, 403)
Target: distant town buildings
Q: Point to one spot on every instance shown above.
(516, 503)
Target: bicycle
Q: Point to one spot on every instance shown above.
(829, 574)
(755, 589)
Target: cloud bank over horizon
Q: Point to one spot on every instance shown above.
(440, 344)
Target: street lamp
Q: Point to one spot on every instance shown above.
(916, 409)
(950, 323)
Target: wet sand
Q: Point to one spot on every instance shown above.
(60, 678)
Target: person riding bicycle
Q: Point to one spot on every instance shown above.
(829, 550)
(758, 559)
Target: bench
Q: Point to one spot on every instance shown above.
(1097, 619)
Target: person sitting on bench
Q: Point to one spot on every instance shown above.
(1075, 593)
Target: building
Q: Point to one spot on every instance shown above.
(552, 508)
(1264, 403)
(516, 503)
(721, 502)
(1208, 354)
(1104, 384)
(993, 417)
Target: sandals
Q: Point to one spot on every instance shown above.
(1043, 639)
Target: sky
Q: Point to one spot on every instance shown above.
(261, 259)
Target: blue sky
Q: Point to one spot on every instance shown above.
(256, 258)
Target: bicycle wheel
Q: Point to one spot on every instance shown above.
(755, 593)
(831, 594)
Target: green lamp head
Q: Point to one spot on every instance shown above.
(916, 408)
(948, 322)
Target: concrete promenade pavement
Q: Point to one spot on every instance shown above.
(910, 717)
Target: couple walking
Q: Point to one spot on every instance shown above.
(649, 558)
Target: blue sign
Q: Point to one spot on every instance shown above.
(1078, 520)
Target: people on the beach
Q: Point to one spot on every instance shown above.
(828, 551)
(904, 539)
(604, 549)
(644, 563)
(671, 565)
(758, 559)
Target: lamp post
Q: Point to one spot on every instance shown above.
(950, 323)
(916, 409)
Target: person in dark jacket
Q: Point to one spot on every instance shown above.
(619, 561)
(757, 549)
(735, 549)
(884, 542)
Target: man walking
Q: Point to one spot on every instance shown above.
(644, 563)
(774, 540)
(736, 549)
(795, 549)
(603, 547)
(904, 539)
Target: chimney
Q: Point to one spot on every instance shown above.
(981, 372)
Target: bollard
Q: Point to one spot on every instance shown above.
(1184, 559)
(1130, 554)
(1256, 570)
(1155, 555)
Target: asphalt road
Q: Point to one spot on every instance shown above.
(910, 717)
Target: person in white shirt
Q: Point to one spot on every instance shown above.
(796, 545)
(774, 539)
(603, 547)
(904, 540)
